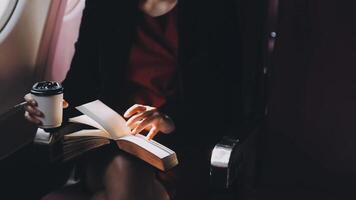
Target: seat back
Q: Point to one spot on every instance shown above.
(309, 140)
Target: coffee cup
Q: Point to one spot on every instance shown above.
(49, 98)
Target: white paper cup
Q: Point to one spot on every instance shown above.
(49, 98)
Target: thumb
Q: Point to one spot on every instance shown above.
(65, 104)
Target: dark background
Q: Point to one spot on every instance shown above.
(308, 145)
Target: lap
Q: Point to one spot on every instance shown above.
(189, 180)
(94, 166)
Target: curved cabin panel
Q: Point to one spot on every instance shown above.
(20, 40)
(36, 43)
(62, 49)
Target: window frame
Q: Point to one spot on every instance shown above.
(6, 15)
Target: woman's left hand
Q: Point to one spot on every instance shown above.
(142, 117)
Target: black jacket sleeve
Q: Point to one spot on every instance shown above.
(82, 81)
(211, 74)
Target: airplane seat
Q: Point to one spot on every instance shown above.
(305, 146)
(308, 142)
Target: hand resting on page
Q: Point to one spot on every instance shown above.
(143, 117)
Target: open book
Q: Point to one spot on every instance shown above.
(104, 124)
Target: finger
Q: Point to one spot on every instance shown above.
(65, 104)
(32, 119)
(153, 132)
(138, 117)
(134, 125)
(134, 109)
(146, 122)
(28, 98)
(33, 111)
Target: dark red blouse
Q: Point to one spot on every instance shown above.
(153, 60)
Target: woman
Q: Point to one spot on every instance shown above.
(177, 63)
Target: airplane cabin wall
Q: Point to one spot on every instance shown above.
(62, 49)
(19, 45)
(36, 44)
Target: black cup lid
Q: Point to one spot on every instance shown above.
(46, 88)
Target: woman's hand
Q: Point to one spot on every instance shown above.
(143, 117)
(32, 113)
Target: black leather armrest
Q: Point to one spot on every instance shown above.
(232, 160)
(225, 160)
(16, 131)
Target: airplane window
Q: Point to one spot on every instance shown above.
(6, 9)
(71, 4)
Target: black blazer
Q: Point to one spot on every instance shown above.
(209, 100)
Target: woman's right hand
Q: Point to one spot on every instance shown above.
(32, 114)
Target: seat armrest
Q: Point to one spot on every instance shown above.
(225, 160)
(16, 131)
(232, 160)
(42, 137)
(50, 144)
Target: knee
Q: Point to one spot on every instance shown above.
(124, 165)
(131, 178)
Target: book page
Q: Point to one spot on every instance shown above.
(110, 120)
(149, 146)
(83, 119)
(149, 151)
(89, 133)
